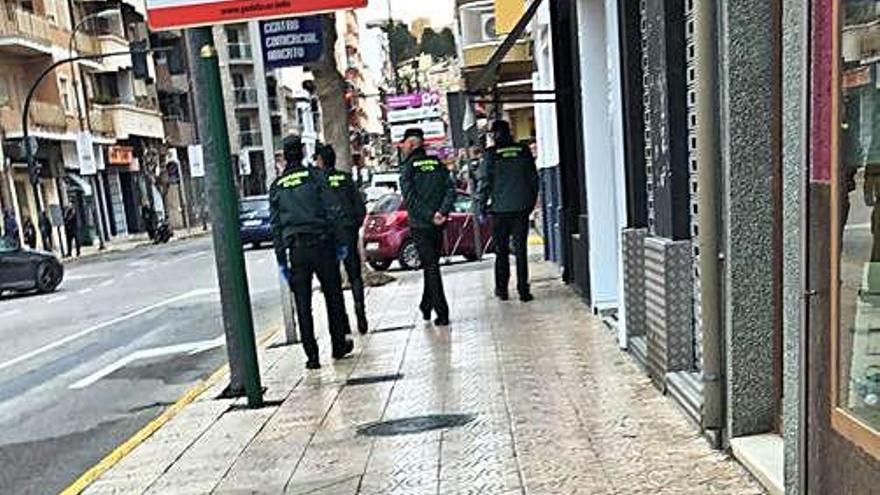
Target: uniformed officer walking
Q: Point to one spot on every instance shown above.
(306, 244)
(352, 212)
(508, 189)
(429, 193)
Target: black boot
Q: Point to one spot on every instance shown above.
(363, 325)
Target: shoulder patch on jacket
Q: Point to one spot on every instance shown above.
(293, 179)
(337, 180)
(509, 152)
(426, 165)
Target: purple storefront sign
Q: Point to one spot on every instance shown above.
(412, 100)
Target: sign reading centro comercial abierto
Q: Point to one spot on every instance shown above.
(176, 14)
(291, 42)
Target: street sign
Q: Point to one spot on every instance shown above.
(85, 154)
(435, 131)
(176, 14)
(196, 160)
(291, 42)
(410, 114)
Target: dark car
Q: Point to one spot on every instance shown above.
(253, 221)
(387, 237)
(25, 270)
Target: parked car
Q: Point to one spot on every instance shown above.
(387, 237)
(253, 221)
(26, 270)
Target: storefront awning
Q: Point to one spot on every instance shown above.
(489, 74)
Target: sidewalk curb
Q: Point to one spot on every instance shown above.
(131, 247)
(125, 448)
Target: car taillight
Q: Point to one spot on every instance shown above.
(398, 218)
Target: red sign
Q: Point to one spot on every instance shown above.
(176, 14)
(120, 155)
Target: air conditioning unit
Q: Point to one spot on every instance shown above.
(487, 27)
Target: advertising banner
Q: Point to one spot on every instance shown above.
(291, 42)
(176, 14)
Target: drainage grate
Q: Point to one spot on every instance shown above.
(393, 329)
(415, 424)
(367, 380)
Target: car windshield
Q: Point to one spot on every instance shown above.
(6, 245)
(387, 204)
(251, 205)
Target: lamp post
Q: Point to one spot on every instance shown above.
(81, 112)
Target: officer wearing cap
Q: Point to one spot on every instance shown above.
(429, 193)
(352, 211)
(305, 236)
(508, 189)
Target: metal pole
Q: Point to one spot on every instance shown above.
(235, 298)
(709, 217)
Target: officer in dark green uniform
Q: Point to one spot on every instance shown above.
(508, 189)
(305, 236)
(352, 211)
(429, 193)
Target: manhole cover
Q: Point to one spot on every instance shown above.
(393, 329)
(416, 424)
(367, 380)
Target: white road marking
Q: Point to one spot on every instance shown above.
(11, 312)
(85, 277)
(100, 326)
(106, 283)
(85, 291)
(56, 299)
(191, 348)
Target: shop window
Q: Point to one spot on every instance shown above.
(856, 219)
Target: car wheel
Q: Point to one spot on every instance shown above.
(409, 256)
(48, 277)
(380, 265)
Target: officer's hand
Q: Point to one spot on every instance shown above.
(439, 219)
(341, 252)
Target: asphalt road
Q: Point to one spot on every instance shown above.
(83, 369)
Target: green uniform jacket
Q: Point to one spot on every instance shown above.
(347, 201)
(299, 205)
(427, 188)
(508, 180)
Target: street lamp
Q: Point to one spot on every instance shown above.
(77, 83)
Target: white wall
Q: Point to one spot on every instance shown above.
(543, 79)
(602, 151)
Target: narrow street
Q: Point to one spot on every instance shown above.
(83, 369)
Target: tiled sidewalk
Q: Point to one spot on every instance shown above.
(555, 408)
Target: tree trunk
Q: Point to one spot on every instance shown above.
(330, 87)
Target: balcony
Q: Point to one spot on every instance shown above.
(168, 82)
(133, 120)
(240, 53)
(245, 97)
(179, 132)
(517, 64)
(25, 34)
(42, 116)
(250, 139)
(100, 122)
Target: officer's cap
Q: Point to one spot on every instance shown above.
(500, 127)
(413, 132)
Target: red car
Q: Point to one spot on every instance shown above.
(387, 237)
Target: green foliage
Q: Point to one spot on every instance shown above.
(438, 45)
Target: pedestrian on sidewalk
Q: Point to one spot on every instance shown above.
(10, 227)
(306, 236)
(30, 233)
(46, 230)
(429, 193)
(349, 203)
(508, 190)
(71, 229)
(148, 214)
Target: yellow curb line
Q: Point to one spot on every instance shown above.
(152, 427)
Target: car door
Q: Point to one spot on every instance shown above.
(15, 267)
(459, 233)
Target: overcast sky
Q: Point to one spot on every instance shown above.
(441, 13)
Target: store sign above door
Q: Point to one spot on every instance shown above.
(176, 14)
(291, 42)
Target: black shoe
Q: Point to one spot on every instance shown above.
(426, 313)
(345, 351)
(363, 325)
(442, 322)
(313, 364)
(527, 297)
(502, 294)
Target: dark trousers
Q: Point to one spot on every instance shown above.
(352, 265)
(429, 242)
(505, 225)
(72, 238)
(317, 257)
